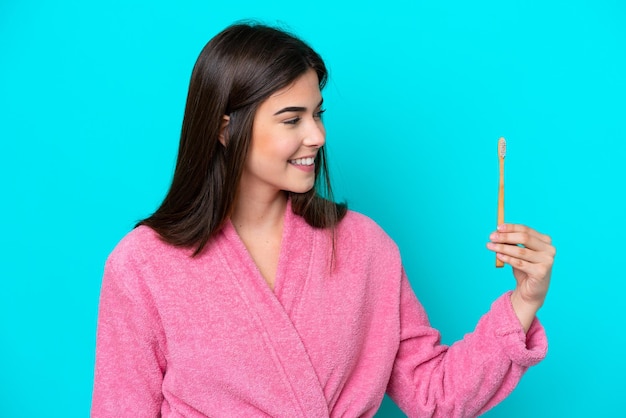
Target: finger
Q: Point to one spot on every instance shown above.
(515, 262)
(525, 254)
(536, 270)
(526, 230)
(520, 238)
(526, 237)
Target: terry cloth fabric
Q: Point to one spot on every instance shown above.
(206, 336)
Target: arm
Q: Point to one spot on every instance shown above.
(129, 358)
(476, 373)
(471, 376)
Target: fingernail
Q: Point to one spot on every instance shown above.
(501, 227)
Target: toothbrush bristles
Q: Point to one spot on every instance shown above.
(502, 147)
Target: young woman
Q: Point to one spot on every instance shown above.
(250, 293)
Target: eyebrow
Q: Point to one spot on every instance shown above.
(295, 108)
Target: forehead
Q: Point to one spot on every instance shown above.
(304, 91)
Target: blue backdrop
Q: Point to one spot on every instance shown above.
(91, 102)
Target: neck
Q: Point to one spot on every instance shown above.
(253, 212)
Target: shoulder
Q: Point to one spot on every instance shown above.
(363, 230)
(142, 246)
(143, 264)
(364, 251)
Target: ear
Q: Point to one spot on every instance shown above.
(223, 129)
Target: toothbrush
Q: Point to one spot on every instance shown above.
(501, 154)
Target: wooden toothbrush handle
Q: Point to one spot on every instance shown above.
(499, 263)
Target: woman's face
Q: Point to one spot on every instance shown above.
(287, 133)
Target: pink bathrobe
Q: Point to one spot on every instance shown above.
(205, 336)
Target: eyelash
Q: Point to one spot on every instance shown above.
(317, 115)
(293, 121)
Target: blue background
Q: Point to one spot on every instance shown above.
(91, 102)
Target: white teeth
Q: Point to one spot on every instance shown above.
(303, 161)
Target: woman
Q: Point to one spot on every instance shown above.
(248, 294)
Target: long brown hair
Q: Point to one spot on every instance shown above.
(236, 71)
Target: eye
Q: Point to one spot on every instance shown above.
(293, 121)
(319, 113)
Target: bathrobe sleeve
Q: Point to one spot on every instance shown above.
(471, 376)
(129, 349)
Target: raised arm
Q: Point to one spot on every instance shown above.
(471, 376)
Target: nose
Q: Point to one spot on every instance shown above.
(316, 136)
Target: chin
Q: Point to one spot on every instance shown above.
(301, 189)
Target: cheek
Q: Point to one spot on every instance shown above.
(279, 147)
(274, 143)
(268, 155)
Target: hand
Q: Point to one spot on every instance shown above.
(531, 254)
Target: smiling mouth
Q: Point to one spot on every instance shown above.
(303, 161)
